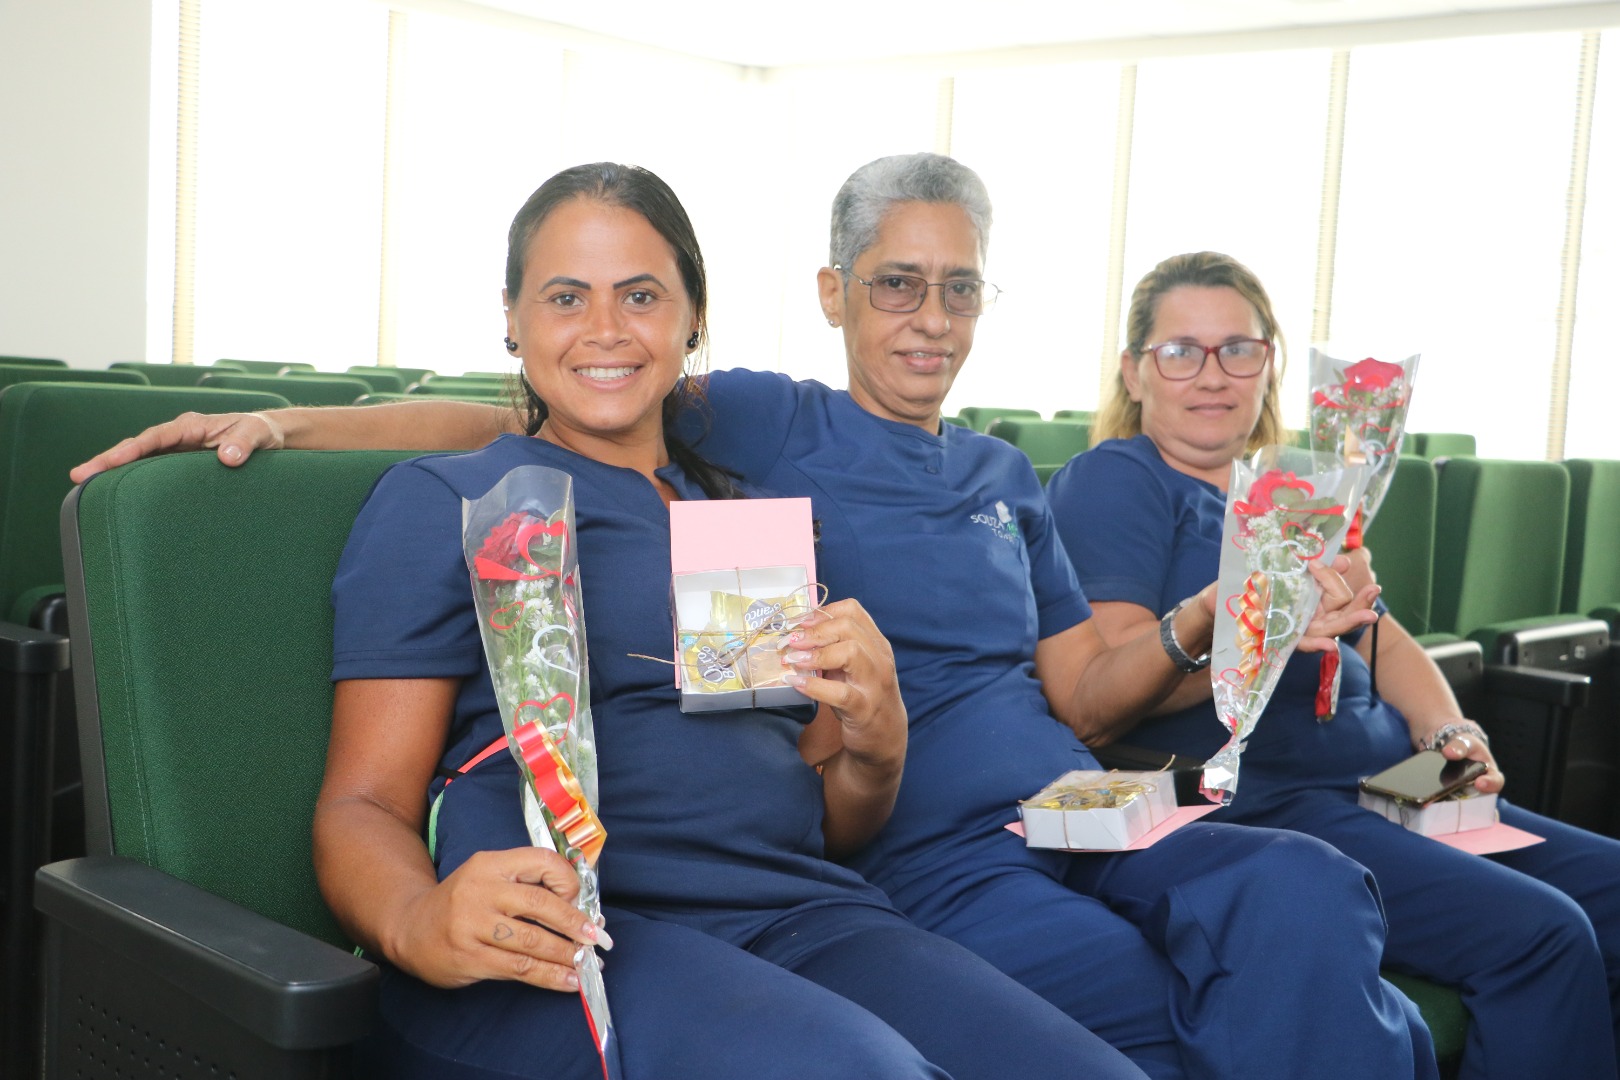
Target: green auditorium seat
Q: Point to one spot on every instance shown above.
(166, 374)
(1439, 444)
(33, 361)
(205, 703)
(409, 374)
(462, 385)
(498, 376)
(45, 429)
(1500, 536)
(300, 388)
(11, 374)
(1087, 415)
(381, 380)
(1401, 540)
(1592, 552)
(978, 417)
(266, 367)
(1045, 442)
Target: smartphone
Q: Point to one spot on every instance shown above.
(1424, 777)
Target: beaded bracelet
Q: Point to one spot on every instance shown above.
(1451, 731)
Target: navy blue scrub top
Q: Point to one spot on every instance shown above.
(713, 819)
(946, 539)
(1143, 533)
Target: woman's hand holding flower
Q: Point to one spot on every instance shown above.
(500, 915)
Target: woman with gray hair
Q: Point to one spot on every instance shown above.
(1221, 951)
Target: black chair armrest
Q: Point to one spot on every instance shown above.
(275, 984)
(26, 651)
(1560, 689)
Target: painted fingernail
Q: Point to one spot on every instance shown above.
(793, 678)
(603, 940)
(571, 980)
(795, 638)
(795, 656)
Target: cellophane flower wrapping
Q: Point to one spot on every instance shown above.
(1358, 412)
(1285, 508)
(519, 542)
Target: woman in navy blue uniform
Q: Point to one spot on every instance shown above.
(1530, 937)
(738, 950)
(1219, 952)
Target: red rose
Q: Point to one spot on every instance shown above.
(1271, 489)
(500, 546)
(1370, 376)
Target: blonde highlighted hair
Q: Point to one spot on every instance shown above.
(1120, 417)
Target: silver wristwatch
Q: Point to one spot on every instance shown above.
(1172, 648)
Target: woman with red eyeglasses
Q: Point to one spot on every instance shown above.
(1530, 937)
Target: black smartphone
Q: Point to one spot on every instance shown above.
(1424, 777)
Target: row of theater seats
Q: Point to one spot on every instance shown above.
(299, 383)
(200, 627)
(1050, 443)
(51, 418)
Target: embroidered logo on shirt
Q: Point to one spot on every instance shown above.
(1002, 524)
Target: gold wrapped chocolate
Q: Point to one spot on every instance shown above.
(740, 648)
(709, 659)
(1109, 795)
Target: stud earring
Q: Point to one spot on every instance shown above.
(511, 346)
(832, 322)
(692, 342)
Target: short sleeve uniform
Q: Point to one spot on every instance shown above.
(947, 540)
(741, 952)
(1143, 533)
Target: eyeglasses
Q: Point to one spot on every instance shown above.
(902, 293)
(1179, 361)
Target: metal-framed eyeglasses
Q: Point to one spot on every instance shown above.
(904, 293)
(1179, 361)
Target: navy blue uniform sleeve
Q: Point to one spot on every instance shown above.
(1117, 524)
(1059, 601)
(745, 423)
(402, 601)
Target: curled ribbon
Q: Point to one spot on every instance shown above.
(559, 790)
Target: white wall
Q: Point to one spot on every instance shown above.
(74, 90)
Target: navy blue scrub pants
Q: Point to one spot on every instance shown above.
(1219, 952)
(832, 993)
(1531, 938)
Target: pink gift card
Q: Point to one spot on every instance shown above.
(761, 549)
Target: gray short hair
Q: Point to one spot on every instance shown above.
(859, 206)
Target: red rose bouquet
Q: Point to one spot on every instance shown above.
(1285, 508)
(519, 544)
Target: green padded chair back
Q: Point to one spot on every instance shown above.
(33, 361)
(165, 374)
(1045, 442)
(264, 367)
(409, 374)
(46, 429)
(1439, 444)
(300, 389)
(978, 417)
(380, 380)
(1401, 540)
(200, 599)
(1592, 553)
(462, 385)
(11, 374)
(1086, 415)
(1499, 542)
